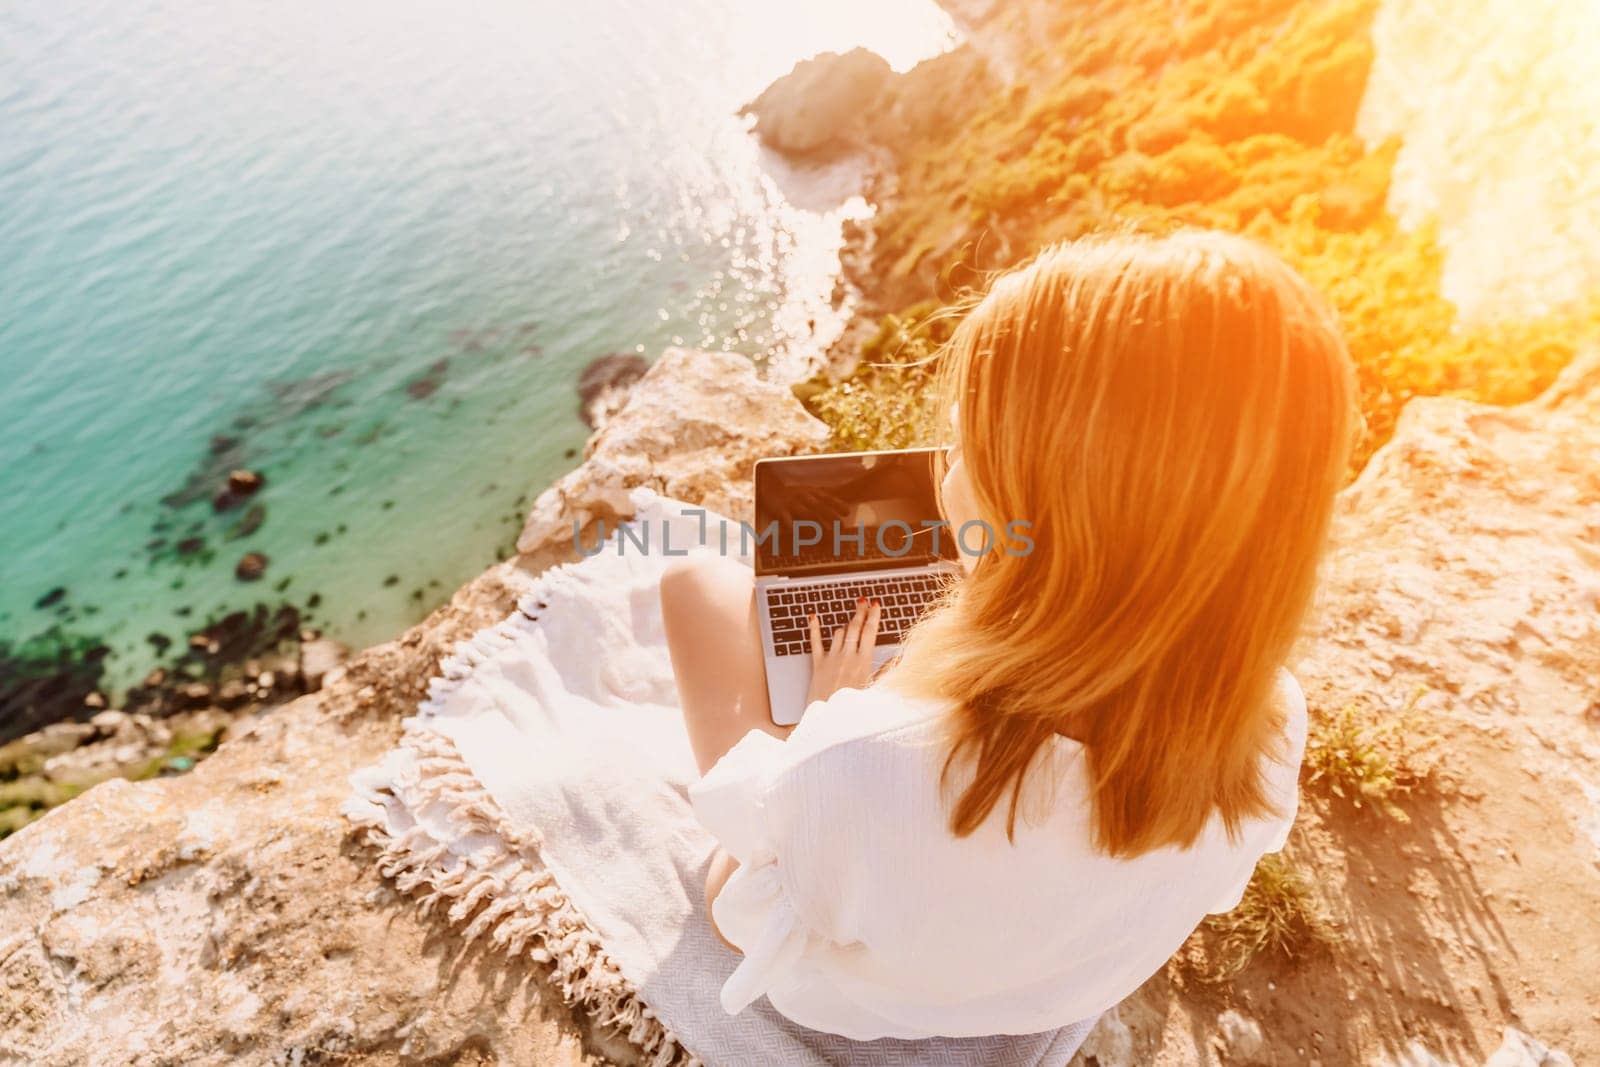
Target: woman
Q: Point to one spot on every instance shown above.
(1083, 749)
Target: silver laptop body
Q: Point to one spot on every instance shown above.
(829, 529)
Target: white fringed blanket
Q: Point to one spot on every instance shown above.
(539, 798)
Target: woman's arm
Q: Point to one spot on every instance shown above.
(708, 609)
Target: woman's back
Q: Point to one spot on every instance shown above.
(861, 914)
(1153, 430)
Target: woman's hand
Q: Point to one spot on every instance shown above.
(844, 662)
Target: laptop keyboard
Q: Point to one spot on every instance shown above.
(904, 598)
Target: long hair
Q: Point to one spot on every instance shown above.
(1173, 416)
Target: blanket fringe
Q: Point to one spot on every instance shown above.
(487, 643)
(496, 886)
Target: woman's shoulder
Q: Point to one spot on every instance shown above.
(1291, 702)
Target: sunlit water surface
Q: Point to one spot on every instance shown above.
(371, 246)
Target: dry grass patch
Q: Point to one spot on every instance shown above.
(1372, 759)
(1281, 916)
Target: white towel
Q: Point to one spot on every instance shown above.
(539, 798)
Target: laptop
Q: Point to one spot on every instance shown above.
(830, 529)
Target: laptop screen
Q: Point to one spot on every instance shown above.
(845, 512)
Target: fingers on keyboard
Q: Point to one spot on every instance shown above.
(902, 601)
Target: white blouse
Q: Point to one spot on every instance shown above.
(860, 914)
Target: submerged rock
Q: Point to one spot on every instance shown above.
(48, 678)
(251, 566)
(240, 485)
(244, 482)
(248, 523)
(425, 385)
(603, 386)
(422, 388)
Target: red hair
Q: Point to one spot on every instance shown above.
(1173, 415)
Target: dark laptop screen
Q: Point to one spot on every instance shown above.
(819, 514)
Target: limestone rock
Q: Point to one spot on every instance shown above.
(318, 657)
(1417, 1054)
(219, 917)
(224, 917)
(1517, 1049)
(1239, 1037)
(692, 428)
(27, 754)
(824, 105)
(1109, 1044)
(935, 95)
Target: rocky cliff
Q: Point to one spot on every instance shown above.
(225, 916)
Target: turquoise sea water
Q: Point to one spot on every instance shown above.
(369, 246)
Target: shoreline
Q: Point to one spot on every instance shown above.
(357, 354)
(59, 648)
(210, 689)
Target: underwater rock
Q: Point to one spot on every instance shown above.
(603, 386)
(249, 522)
(240, 485)
(47, 678)
(425, 385)
(251, 566)
(52, 598)
(244, 482)
(243, 635)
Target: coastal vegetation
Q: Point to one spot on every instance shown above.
(1280, 914)
(1239, 116)
(1367, 758)
(1242, 116)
